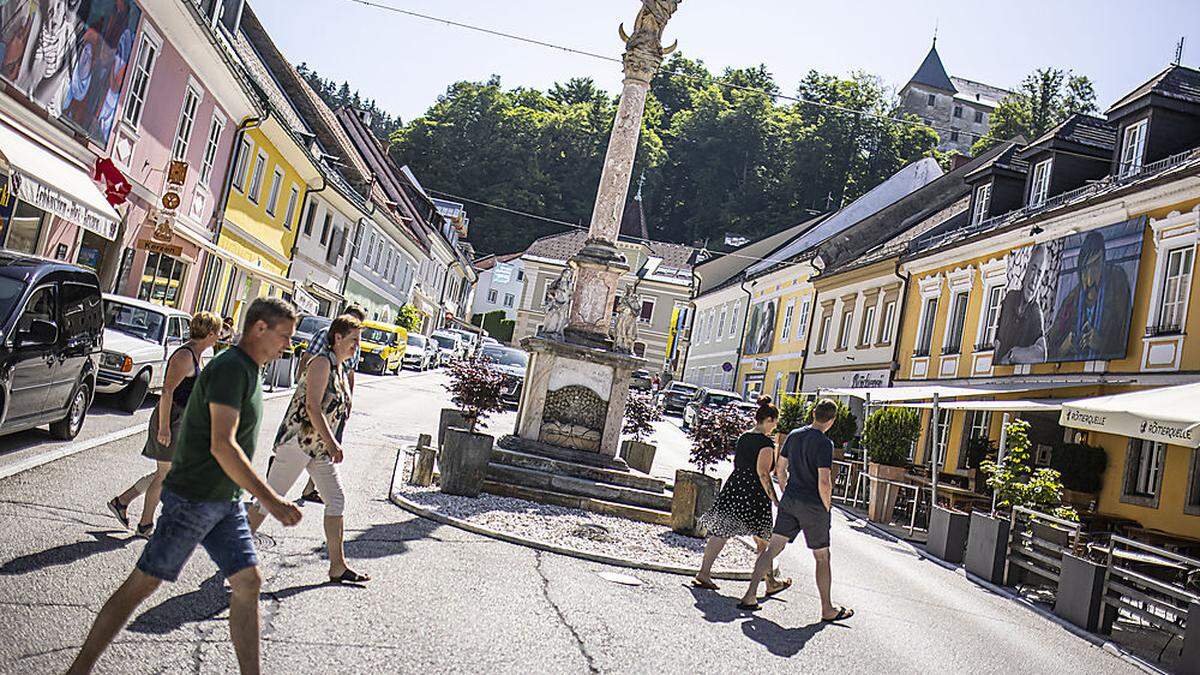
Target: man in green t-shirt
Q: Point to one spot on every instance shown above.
(200, 497)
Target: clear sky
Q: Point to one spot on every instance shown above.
(404, 63)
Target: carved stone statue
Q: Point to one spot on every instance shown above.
(628, 312)
(558, 302)
(643, 50)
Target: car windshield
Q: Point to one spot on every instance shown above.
(416, 340)
(445, 341)
(378, 336)
(10, 293)
(136, 321)
(311, 324)
(506, 357)
(685, 389)
(722, 399)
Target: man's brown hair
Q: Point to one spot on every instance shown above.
(824, 411)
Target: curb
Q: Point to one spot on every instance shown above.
(43, 458)
(1095, 640)
(414, 508)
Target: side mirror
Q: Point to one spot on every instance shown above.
(40, 332)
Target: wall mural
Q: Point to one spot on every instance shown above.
(1071, 299)
(760, 332)
(70, 57)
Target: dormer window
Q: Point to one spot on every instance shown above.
(931, 100)
(1040, 185)
(983, 200)
(1133, 148)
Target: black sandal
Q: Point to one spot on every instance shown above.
(842, 613)
(120, 511)
(350, 577)
(754, 607)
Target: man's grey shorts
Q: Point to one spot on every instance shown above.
(797, 516)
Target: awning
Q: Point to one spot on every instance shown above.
(55, 185)
(927, 392)
(1020, 405)
(1166, 414)
(237, 261)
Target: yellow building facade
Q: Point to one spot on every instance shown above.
(776, 331)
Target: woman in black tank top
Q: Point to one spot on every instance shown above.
(183, 367)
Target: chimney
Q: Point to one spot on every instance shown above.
(958, 160)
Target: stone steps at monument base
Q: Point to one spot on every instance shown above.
(630, 478)
(580, 487)
(554, 498)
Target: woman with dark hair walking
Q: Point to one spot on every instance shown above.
(744, 505)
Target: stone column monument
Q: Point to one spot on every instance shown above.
(573, 402)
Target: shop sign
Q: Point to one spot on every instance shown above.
(868, 380)
(52, 201)
(304, 301)
(176, 177)
(173, 250)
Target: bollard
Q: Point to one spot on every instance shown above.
(692, 495)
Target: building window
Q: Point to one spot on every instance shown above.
(1143, 466)
(492, 295)
(954, 136)
(823, 338)
(256, 177)
(245, 147)
(991, 317)
(508, 299)
(925, 337)
(326, 226)
(844, 331)
(958, 111)
(868, 326)
(520, 275)
(802, 326)
(273, 194)
(187, 119)
(1040, 186)
(983, 201)
(1133, 147)
(293, 199)
(979, 424)
(162, 280)
(308, 219)
(140, 82)
(978, 117)
(647, 313)
(943, 432)
(958, 319)
(1192, 505)
(787, 321)
(210, 147)
(733, 319)
(885, 329)
(1175, 287)
(930, 100)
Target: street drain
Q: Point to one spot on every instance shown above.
(623, 579)
(593, 532)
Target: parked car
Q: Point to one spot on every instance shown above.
(641, 380)
(52, 323)
(308, 326)
(139, 337)
(708, 398)
(383, 346)
(488, 340)
(450, 346)
(421, 353)
(512, 362)
(676, 396)
(470, 340)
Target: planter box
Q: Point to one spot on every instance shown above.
(987, 547)
(638, 455)
(464, 461)
(948, 534)
(883, 496)
(451, 417)
(1080, 595)
(1080, 500)
(693, 495)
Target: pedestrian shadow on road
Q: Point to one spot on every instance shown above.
(387, 539)
(203, 604)
(717, 608)
(103, 541)
(778, 640)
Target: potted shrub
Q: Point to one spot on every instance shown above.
(887, 437)
(476, 387)
(641, 412)
(845, 426)
(792, 411)
(714, 434)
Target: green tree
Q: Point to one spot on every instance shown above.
(408, 318)
(1046, 97)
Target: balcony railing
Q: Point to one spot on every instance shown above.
(1164, 329)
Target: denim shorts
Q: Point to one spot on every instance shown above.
(220, 527)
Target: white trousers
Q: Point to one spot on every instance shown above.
(291, 461)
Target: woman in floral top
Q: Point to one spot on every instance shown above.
(306, 440)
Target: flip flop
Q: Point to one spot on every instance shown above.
(749, 608)
(119, 511)
(842, 613)
(707, 585)
(783, 586)
(350, 577)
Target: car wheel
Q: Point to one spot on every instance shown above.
(135, 393)
(68, 427)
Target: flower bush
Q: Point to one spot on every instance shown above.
(477, 388)
(641, 412)
(714, 433)
(1016, 483)
(889, 433)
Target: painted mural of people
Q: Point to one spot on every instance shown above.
(1093, 319)
(1021, 335)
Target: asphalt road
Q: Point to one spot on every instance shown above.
(447, 601)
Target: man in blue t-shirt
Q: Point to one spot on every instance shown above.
(804, 470)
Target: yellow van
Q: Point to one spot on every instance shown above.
(383, 347)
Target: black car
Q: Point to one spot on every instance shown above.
(52, 320)
(512, 362)
(676, 395)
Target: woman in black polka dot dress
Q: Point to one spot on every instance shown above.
(743, 508)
